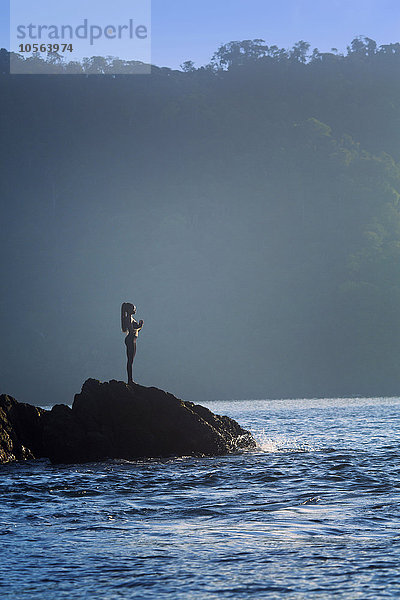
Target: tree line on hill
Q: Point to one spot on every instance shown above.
(259, 194)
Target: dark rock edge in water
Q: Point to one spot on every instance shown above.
(114, 420)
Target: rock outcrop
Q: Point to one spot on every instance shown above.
(20, 430)
(113, 420)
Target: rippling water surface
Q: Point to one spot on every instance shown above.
(313, 512)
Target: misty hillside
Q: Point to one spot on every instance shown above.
(250, 208)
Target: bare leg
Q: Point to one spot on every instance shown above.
(130, 351)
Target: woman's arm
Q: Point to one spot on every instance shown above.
(136, 325)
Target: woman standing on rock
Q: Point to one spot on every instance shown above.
(132, 328)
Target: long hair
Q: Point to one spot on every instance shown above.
(127, 310)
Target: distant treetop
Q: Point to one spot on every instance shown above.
(231, 55)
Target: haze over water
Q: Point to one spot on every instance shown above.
(314, 511)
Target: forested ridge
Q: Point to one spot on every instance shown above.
(259, 195)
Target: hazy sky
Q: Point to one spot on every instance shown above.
(183, 29)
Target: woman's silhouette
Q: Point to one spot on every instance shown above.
(132, 328)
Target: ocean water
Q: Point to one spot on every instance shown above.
(314, 512)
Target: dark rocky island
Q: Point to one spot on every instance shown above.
(113, 420)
